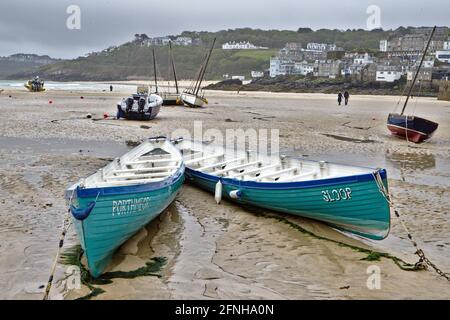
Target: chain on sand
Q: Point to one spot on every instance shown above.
(424, 261)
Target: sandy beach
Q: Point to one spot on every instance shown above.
(222, 251)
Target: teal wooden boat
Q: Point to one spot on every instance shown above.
(345, 197)
(111, 205)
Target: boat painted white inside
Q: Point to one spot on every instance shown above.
(250, 166)
(154, 160)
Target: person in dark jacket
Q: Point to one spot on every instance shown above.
(346, 96)
(110, 88)
(339, 98)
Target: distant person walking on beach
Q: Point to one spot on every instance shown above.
(340, 98)
(111, 88)
(346, 96)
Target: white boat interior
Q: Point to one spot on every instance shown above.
(141, 102)
(152, 161)
(251, 166)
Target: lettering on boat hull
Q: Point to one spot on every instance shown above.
(335, 195)
(130, 206)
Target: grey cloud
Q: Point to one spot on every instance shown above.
(40, 26)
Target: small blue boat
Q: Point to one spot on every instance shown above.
(111, 205)
(345, 197)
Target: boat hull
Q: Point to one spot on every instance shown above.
(352, 204)
(171, 99)
(411, 128)
(30, 88)
(118, 214)
(133, 108)
(193, 101)
(151, 114)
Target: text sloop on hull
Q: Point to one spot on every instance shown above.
(345, 197)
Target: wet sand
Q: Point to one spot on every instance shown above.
(220, 252)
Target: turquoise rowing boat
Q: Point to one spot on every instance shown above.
(349, 198)
(110, 206)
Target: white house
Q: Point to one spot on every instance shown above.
(303, 68)
(158, 41)
(388, 73)
(443, 56)
(244, 45)
(242, 78)
(183, 41)
(383, 45)
(363, 59)
(446, 46)
(280, 66)
(427, 63)
(257, 74)
(321, 46)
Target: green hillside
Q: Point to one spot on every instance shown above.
(133, 61)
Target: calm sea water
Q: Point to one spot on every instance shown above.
(69, 86)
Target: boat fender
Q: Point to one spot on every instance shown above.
(236, 194)
(218, 193)
(82, 214)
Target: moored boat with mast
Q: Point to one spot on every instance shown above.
(192, 97)
(172, 98)
(410, 127)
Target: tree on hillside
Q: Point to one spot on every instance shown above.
(304, 30)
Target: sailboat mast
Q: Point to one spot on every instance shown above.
(418, 70)
(154, 70)
(205, 66)
(173, 66)
(199, 74)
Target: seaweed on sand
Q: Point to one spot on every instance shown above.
(371, 255)
(72, 256)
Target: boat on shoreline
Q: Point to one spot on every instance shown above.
(345, 197)
(35, 85)
(192, 97)
(140, 106)
(172, 98)
(110, 206)
(409, 127)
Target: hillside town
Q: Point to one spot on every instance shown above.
(144, 40)
(396, 59)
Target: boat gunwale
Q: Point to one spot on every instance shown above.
(414, 117)
(289, 185)
(132, 188)
(294, 157)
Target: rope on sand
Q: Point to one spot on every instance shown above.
(66, 224)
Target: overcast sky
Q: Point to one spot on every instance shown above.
(40, 26)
